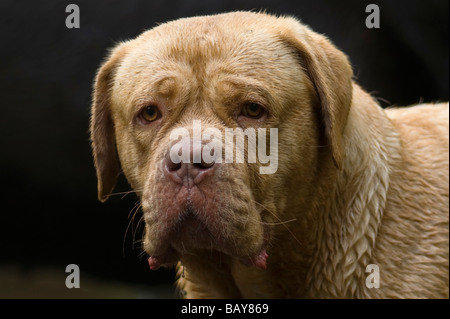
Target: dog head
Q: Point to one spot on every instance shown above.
(244, 73)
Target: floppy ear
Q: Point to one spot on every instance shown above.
(102, 127)
(331, 74)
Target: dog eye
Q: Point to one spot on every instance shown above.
(253, 110)
(150, 113)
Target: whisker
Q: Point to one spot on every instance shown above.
(136, 231)
(133, 213)
(142, 254)
(137, 190)
(280, 222)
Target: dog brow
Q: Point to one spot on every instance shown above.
(252, 88)
(163, 85)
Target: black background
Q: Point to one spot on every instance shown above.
(50, 215)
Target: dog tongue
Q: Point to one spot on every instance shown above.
(260, 260)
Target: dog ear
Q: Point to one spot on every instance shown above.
(331, 74)
(102, 127)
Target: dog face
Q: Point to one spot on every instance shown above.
(238, 71)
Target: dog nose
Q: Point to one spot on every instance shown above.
(191, 168)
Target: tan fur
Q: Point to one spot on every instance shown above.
(356, 184)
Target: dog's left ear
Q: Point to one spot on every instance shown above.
(331, 74)
(102, 127)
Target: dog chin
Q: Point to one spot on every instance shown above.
(170, 257)
(192, 237)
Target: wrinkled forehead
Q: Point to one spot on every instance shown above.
(200, 53)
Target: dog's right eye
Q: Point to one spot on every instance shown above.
(150, 113)
(253, 111)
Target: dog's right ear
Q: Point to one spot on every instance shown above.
(102, 126)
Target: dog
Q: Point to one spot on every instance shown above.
(356, 204)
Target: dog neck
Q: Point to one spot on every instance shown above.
(348, 214)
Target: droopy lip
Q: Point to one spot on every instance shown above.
(170, 256)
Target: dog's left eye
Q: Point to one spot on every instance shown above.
(150, 113)
(253, 110)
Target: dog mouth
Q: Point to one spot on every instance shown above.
(170, 257)
(191, 234)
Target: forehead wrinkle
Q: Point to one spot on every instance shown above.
(249, 88)
(158, 86)
(162, 86)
